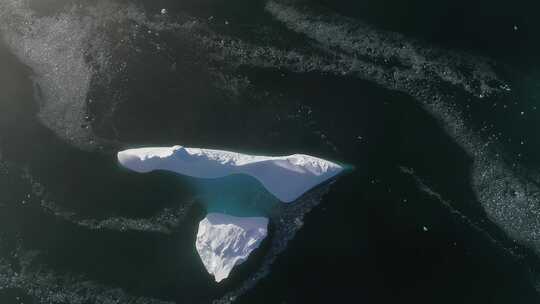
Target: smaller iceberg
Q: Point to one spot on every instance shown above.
(224, 241)
(286, 177)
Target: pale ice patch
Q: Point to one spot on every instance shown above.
(54, 48)
(72, 52)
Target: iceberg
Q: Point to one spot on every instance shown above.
(224, 241)
(285, 177)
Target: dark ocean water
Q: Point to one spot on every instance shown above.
(406, 225)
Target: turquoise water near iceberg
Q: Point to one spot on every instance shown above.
(237, 195)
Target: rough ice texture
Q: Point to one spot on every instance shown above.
(41, 282)
(507, 193)
(224, 241)
(73, 53)
(165, 221)
(286, 177)
(54, 49)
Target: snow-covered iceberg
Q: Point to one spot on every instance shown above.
(286, 177)
(224, 241)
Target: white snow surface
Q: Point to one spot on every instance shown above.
(224, 241)
(286, 177)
